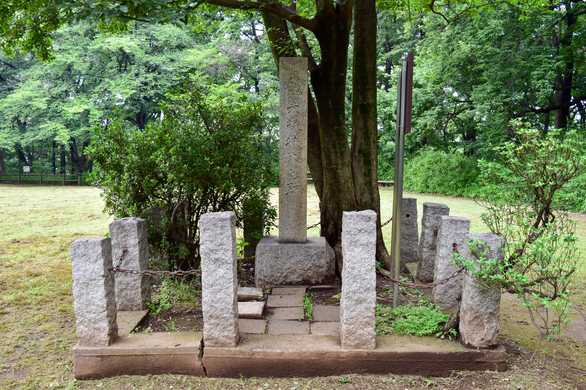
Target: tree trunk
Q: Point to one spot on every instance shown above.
(364, 119)
(329, 84)
(563, 94)
(2, 164)
(62, 160)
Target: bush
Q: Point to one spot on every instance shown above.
(434, 171)
(205, 155)
(524, 206)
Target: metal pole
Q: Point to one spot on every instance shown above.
(404, 101)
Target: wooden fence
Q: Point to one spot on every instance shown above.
(30, 178)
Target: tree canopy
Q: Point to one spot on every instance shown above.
(473, 74)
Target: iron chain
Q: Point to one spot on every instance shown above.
(148, 271)
(420, 286)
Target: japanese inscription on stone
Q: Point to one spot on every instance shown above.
(293, 149)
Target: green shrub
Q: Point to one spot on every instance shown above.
(524, 201)
(434, 171)
(205, 155)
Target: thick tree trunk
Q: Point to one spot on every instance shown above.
(2, 163)
(364, 118)
(329, 84)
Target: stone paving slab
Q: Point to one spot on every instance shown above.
(325, 328)
(127, 320)
(249, 294)
(280, 327)
(251, 309)
(252, 326)
(326, 313)
(285, 313)
(284, 300)
(289, 290)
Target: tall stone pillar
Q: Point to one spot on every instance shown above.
(93, 291)
(430, 222)
(132, 291)
(293, 149)
(451, 238)
(358, 300)
(219, 280)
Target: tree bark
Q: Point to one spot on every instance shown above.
(2, 164)
(364, 118)
(329, 84)
(563, 94)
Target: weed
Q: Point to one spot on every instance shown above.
(409, 319)
(307, 306)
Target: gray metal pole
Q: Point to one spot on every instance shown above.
(398, 187)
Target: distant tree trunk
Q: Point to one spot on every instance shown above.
(62, 160)
(364, 118)
(563, 94)
(53, 158)
(2, 163)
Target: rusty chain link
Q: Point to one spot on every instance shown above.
(318, 223)
(148, 271)
(419, 286)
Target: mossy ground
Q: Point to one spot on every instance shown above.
(37, 323)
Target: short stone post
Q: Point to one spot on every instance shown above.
(409, 231)
(451, 237)
(132, 291)
(293, 149)
(93, 291)
(358, 300)
(219, 280)
(479, 313)
(430, 222)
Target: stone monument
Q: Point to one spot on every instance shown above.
(293, 258)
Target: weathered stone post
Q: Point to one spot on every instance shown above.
(132, 291)
(430, 222)
(479, 313)
(93, 291)
(358, 300)
(219, 283)
(293, 149)
(451, 238)
(293, 258)
(409, 231)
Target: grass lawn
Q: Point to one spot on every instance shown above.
(37, 324)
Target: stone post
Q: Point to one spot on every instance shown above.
(409, 231)
(93, 291)
(132, 291)
(293, 149)
(430, 222)
(219, 283)
(451, 238)
(358, 300)
(479, 313)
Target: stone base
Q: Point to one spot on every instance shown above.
(141, 354)
(293, 263)
(306, 356)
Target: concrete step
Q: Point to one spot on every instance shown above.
(251, 309)
(249, 294)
